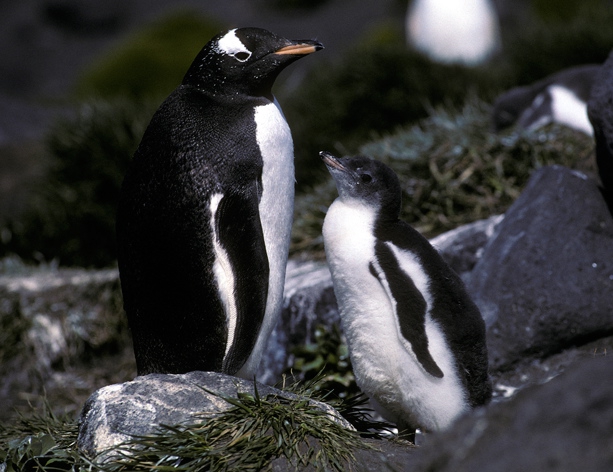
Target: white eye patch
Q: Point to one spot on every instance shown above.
(230, 44)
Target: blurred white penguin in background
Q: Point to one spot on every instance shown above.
(453, 31)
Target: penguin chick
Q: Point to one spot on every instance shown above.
(205, 211)
(415, 337)
(559, 98)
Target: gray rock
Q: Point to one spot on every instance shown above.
(600, 112)
(50, 322)
(564, 425)
(308, 302)
(64, 309)
(545, 280)
(530, 372)
(462, 247)
(114, 414)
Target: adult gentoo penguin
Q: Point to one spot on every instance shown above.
(416, 339)
(205, 211)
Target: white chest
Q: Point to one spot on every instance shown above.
(363, 303)
(569, 110)
(276, 210)
(275, 142)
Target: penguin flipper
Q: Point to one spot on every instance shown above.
(408, 302)
(239, 232)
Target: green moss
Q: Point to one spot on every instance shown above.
(562, 10)
(150, 63)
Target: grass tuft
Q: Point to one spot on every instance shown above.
(248, 436)
(40, 442)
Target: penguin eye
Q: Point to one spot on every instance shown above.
(366, 178)
(242, 56)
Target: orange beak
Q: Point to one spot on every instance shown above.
(299, 49)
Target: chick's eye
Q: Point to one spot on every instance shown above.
(365, 178)
(242, 56)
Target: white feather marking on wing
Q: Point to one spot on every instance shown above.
(224, 275)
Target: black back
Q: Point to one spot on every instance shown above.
(452, 307)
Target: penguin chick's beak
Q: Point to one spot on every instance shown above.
(331, 161)
(300, 48)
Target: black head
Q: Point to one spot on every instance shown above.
(367, 182)
(509, 106)
(245, 61)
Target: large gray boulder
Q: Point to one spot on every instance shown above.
(562, 426)
(545, 280)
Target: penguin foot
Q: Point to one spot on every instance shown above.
(406, 431)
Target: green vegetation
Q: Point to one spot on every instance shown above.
(71, 215)
(564, 34)
(39, 442)
(453, 170)
(378, 86)
(562, 10)
(150, 63)
(325, 364)
(249, 436)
